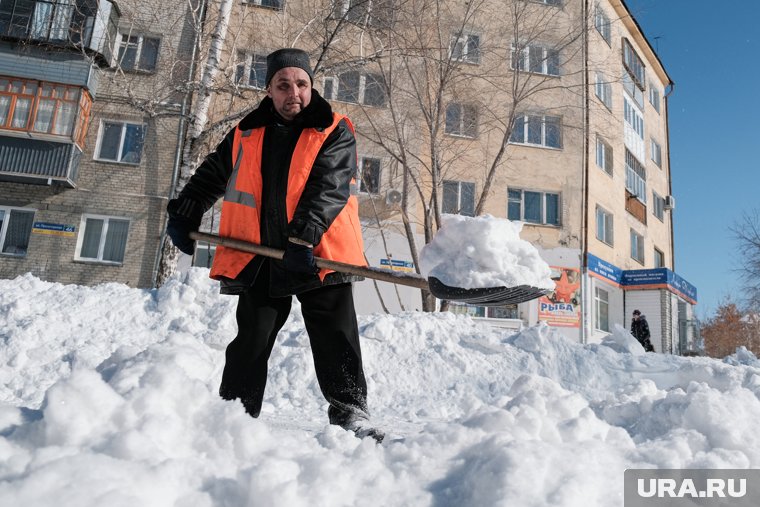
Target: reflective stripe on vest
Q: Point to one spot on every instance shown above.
(240, 216)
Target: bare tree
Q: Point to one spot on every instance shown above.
(746, 233)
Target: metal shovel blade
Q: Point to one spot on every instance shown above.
(490, 296)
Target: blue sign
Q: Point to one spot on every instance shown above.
(54, 229)
(604, 269)
(639, 277)
(397, 265)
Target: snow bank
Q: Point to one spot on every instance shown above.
(484, 251)
(114, 403)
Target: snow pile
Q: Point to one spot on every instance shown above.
(483, 251)
(115, 403)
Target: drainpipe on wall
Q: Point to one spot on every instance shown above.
(585, 296)
(181, 133)
(669, 89)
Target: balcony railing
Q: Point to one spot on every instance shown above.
(90, 25)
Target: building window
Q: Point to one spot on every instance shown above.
(120, 142)
(658, 206)
(204, 254)
(604, 156)
(637, 247)
(44, 108)
(251, 70)
(15, 230)
(633, 118)
(635, 177)
(633, 64)
(604, 226)
(654, 97)
(633, 91)
(659, 258)
(357, 88)
(51, 19)
(137, 52)
(604, 90)
(465, 48)
(102, 239)
(602, 309)
(538, 131)
(369, 175)
(536, 59)
(550, 2)
(462, 120)
(272, 4)
(376, 13)
(656, 152)
(459, 198)
(533, 207)
(602, 24)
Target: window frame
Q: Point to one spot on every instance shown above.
(140, 44)
(99, 143)
(637, 247)
(102, 240)
(604, 156)
(525, 118)
(246, 60)
(260, 3)
(360, 179)
(6, 220)
(463, 111)
(635, 176)
(459, 196)
(659, 258)
(603, 24)
(633, 117)
(600, 303)
(82, 105)
(361, 92)
(603, 90)
(658, 206)
(463, 39)
(633, 63)
(654, 97)
(543, 196)
(656, 152)
(524, 64)
(606, 226)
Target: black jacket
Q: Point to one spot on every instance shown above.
(323, 198)
(640, 331)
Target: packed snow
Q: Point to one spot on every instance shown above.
(108, 397)
(483, 251)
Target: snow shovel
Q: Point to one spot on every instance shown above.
(489, 296)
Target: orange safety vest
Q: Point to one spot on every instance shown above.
(240, 208)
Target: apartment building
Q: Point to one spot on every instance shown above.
(90, 99)
(552, 113)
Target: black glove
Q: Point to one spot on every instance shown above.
(184, 217)
(300, 259)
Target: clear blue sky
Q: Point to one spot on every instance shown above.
(711, 51)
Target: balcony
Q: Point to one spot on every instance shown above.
(42, 130)
(88, 25)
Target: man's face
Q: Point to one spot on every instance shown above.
(290, 90)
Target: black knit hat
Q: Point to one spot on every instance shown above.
(636, 312)
(288, 57)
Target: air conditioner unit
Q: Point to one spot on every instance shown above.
(393, 197)
(670, 202)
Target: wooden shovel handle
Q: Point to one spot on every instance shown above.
(384, 275)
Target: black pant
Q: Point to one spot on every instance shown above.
(330, 320)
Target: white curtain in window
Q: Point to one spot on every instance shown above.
(21, 113)
(64, 121)
(44, 118)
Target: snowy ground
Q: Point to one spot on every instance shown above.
(108, 398)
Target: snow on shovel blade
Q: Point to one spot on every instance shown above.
(488, 296)
(491, 296)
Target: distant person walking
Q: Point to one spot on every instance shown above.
(640, 330)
